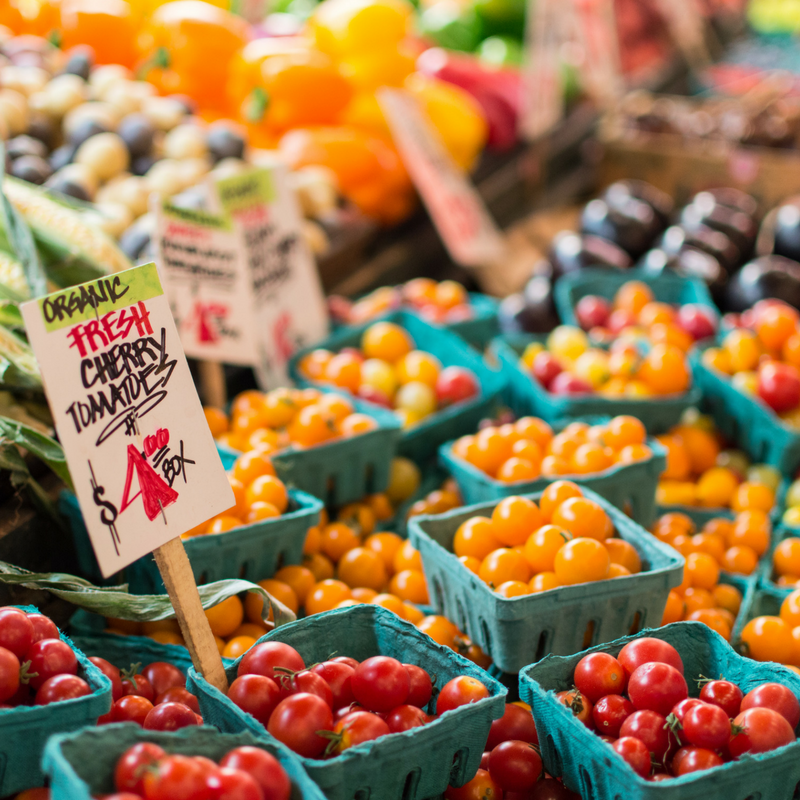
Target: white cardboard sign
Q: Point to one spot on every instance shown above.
(467, 229)
(242, 283)
(139, 450)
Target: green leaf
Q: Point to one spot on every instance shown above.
(10, 315)
(21, 238)
(116, 601)
(49, 450)
(19, 368)
(12, 461)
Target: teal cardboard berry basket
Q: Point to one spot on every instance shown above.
(420, 441)
(630, 487)
(411, 765)
(24, 730)
(514, 632)
(252, 551)
(591, 767)
(80, 765)
(479, 330)
(341, 471)
(747, 420)
(667, 288)
(524, 395)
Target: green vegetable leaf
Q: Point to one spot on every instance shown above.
(19, 368)
(49, 450)
(21, 238)
(11, 460)
(116, 601)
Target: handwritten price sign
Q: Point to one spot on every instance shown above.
(457, 210)
(139, 450)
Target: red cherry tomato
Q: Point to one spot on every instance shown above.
(551, 789)
(516, 723)
(610, 712)
(657, 687)
(296, 720)
(762, 729)
(455, 384)
(779, 386)
(515, 765)
(233, 784)
(261, 658)
(138, 685)
(132, 765)
(50, 657)
(706, 726)
(169, 717)
(645, 650)
(404, 718)
(351, 662)
(481, 787)
(178, 694)
(176, 778)
(599, 674)
(112, 673)
(341, 713)
(304, 681)
(776, 696)
(16, 632)
(460, 691)
(163, 676)
(635, 754)
(726, 695)
(650, 728)
(357, 728)
(263, 767)
(694, 759)
(380, 683)
(43, 627)
(338, 676)
(255, 694)
(578, 704)
(420, 687)
(9, 674)
(131, 708)
(62, 687)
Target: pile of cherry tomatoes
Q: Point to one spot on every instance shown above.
(148, 772)
(390, 371)
(324, 709)
(639, 704)
(37, 667)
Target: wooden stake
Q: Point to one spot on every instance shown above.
(176, 572)
(212, 384)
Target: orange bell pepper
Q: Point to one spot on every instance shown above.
(35, 17)
(106, 25)
(196, 42)
(279, 84)
(369, 170)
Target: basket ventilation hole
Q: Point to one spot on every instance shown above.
(588, 634)
(487, 639)
(202, 579)
(362, 794)
(541, 647)
(437, 590)
(586, 783)
(636, 624)
(627, 508)
(410, 787)
(330, 492)
(279, 561)
(369, 479)
(457, 775)
(462, 617)
(756, 796)
(243, 571)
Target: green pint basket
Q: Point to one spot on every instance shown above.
(412, 765)
(516, 631)
(590, 766)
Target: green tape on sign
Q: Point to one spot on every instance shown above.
(92, 299)
(240, 192)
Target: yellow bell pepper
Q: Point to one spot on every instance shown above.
(455, 114)
(389, 66)
(343, 28)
